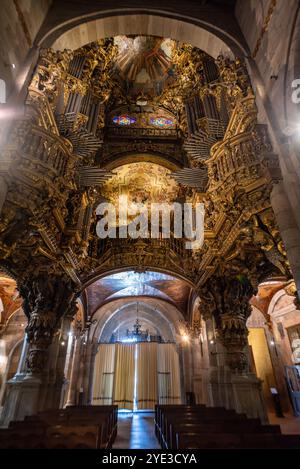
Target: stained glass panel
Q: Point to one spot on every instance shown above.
(161, 121)
(124, 119)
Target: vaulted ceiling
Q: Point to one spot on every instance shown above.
(136, 284)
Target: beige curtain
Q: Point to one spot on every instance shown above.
(168, 372)
(104, 375)
(124, 376)
(146, 375)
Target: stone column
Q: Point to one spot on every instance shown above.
(21, 370)
(61, 359)
(91, 351)
(196, 367)
(3, 191)
(91, 374)
(73, 388)
(47, 297)
(289, 230)
(230, 383)
(54, 383)
(23, 357)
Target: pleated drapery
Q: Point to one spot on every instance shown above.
(168, 374)
(124, 376)
(155, 367)
(146, 375)
(104, 375)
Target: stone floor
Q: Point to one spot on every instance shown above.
(136, 431)
(289, 424)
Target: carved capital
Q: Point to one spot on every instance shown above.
(226, 299)
(47, 297)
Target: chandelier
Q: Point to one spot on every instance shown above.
(137, 334)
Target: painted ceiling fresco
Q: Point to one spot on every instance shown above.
(144, 63)
(132, 283)
(142, 183)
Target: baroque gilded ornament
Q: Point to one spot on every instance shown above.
(226, 299)
(46, 299)
(62, 151)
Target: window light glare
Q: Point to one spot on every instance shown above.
(185, 338)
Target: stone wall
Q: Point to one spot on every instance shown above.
(276, 52)
(20, 21)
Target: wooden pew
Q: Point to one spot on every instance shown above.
(236, 441)
(84, 415)
(80, 427)
(218, 427)
(200, 427)
(192, 414)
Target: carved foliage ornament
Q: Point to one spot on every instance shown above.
(226, 299)
(46, 299)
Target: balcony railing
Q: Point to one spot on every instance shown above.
(142, 132)
(173, 246)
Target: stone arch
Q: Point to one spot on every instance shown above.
(278, 295)
(98, 275)
(133, 157)
(86, 28)
(169, 313)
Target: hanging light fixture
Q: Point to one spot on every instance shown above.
(137, 334)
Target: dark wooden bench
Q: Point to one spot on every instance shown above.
(219, 427)
(200, 427)
(80, 427)
(236, 441)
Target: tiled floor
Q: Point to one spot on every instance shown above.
(136, 431)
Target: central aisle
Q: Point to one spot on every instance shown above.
(136, 431)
